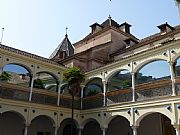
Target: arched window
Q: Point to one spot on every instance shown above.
(177, 67)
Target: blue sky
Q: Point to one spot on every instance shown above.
(38, 26)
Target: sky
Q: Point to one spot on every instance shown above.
(38, 26)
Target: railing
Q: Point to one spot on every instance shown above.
(93, 101)
(11, 91)
(154, 89)
(145, 91)
(40, 96)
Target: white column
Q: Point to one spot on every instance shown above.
(133, 87)
(26, 129)
(104, 92)
(103, 130)
(1, 70)
(134, 128)
(82, 92)
(79, 130)
(59, 93)
(172, 78)
(31, 88)
(56, 130)
(177, 129)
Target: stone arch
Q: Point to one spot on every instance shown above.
(50, 73)
(97, 86)
(42, 124)
(90, 79)
(89, 120)
(43, 115)
(119, 124)
(137, 122)
(12, 122)
(22, 65)
(115, 116)
(17, 113)
(66, 123)
(91, 126)
(146, 62)
(155, 123)
(113, 72)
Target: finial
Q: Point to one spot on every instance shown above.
(109, 20)
(2, 35)
(66, 31)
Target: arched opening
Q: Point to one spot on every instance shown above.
(68, 127)
(153, 80)
(177, 73)
(11, 123)
(93, 87)
(120, 80)
(155, 124)
(16, 74)
(41, 125)
(92, 128)
(47, 81)
(153, 71)
(119, 125)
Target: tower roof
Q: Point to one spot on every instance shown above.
(64, 46)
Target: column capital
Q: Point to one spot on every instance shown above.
(176, 126)
(134, 127)
(171, 62)
(27, 124)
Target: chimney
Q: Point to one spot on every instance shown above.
(165, 27)
(125, 27)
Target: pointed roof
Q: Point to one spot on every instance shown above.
(64, 46)
(110, 22)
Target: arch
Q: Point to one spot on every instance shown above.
(119, 124)
(19, 64)
(11, 122)
(146, 62)
(94, 86)
(45, 116)
(113, 72)
(115, 116)
(153, 71)
(67, 125)
(89, 120)
(120, 79)
(137, 122)
(17, 113)
(156, 123)
(91, 126)
(50, 73)
(90, 79)
(41, 124)
(176, 67)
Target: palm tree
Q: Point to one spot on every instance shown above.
(74, 77)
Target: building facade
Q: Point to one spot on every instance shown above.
(132, 86)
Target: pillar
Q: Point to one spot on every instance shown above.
(31, 88)
(133, 87)
(103, 131)
(104, 92)
(172, 78)
(177, 129)
(26, 129)
(134, 128)
(82, 93)
(56, 130)
(1, 70)
(80, 130)
(59, 93)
